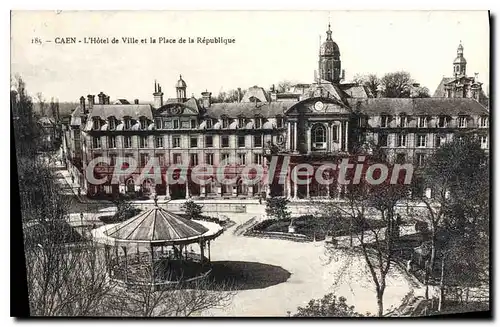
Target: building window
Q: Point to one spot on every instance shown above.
(257, 141)
(193, 159)
(193, 124)
(111, 142)
(483, 122)
(176, 123)
(442, 122)
(402, 140)
(257, 158)
(165, 124)
(419, 159)
(159, 141)
(242, 158)
(422, 140)
(112, 123)
(462, 122)
(385, 121)
(193, 142)
(241, 141)
(96, 156)
(484, 142)
(422, 122)
(177, 158)
(224, 157)
(225, 141)
(279, 122)
(258, 122)
(127, 141)
(143, 122)
(158, 123)
(160, 160)
(209, 158)
(176, 141)
(112, 157)
(127, 123)
(209, 123)
(383, 140)
(440, 140)
(209, 141)
(319, 137)
(241, 122)
(96, 123)
(96, 142)
(143, 141)
(144, 158)
(403, 121)
(225, 123)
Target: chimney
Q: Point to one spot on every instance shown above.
(343, 75)
(106, 99)
(206, 98)
(82, 104)
(136, 101)
(158, 96)
(239, 94)
(101, 97)
(91, 99)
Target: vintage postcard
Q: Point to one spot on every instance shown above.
(252, 163)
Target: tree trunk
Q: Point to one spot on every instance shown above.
(380, 303)
(430, 266)
(441, 286)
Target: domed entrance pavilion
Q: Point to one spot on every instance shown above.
(157, 248)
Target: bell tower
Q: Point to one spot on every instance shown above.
(329, 59)
(460, 64)
(180, 88)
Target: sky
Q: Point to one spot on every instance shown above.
(269, 47)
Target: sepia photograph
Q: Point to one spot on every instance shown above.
(251, 163)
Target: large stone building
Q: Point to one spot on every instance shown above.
(314, 123)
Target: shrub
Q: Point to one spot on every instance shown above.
(193, 210)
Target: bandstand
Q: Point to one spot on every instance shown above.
(157, 248)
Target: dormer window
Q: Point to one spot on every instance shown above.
(483, 122)
(112, 123)
(127, 122)
(241, 122)
(443, 121)
(225, 122)
(422, 122)
(158, 123)
(194, 124)
(258, 122)
(385, 120)
(403, 121)
(176, 123)
(462, 121)
(143, 122)
(279, 122)
(96, 123)
(209, 123)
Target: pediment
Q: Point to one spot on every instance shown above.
(176, 109)
(319, 106)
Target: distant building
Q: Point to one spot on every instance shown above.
(317, 123)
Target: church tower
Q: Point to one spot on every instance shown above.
(329, 59)
(459, 64)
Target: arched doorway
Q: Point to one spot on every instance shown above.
(130, 186)
(147, 187)
(318, 137)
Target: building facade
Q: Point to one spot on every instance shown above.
(314, 123)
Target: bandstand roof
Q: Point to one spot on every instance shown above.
(159, 226)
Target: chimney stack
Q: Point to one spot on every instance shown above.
(91, 99)
(239, 94)
(158, 96)
(136, 101)
(206, 98)
(101, 97)
(106, 99)
(82, 104)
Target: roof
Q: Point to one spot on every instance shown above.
(356, 91)
(76, 119)
(121, 101)
(157, 225)
(440, 91)
(418, 106)
(46, 121)
(121, 110)
(249, 109)
(255, 92)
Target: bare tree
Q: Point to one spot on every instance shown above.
(396, 85)
(41, 103)
(371, 81)
(283, 86)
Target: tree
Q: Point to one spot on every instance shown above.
(124, 209)
(371, 81)
(283, 86)
(396, 85)
(192, 209)
(458, 212)
(26, 130)
(328, 306)
(41, 103)
(230, 96)
(277, 207)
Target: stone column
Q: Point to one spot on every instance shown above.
(308, 139)
(295, 136)
(167, 190)
(346, 136)
(288, 185)
(307, 187)
(328, 137)
(294, 186)
(202, 190)
(289, 137)
(339, 136)
(187, 189)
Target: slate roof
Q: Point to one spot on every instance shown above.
(418, 106)
(156, 225)
(255, 92)
(249, 109)
(356, 91)
(121, 110)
